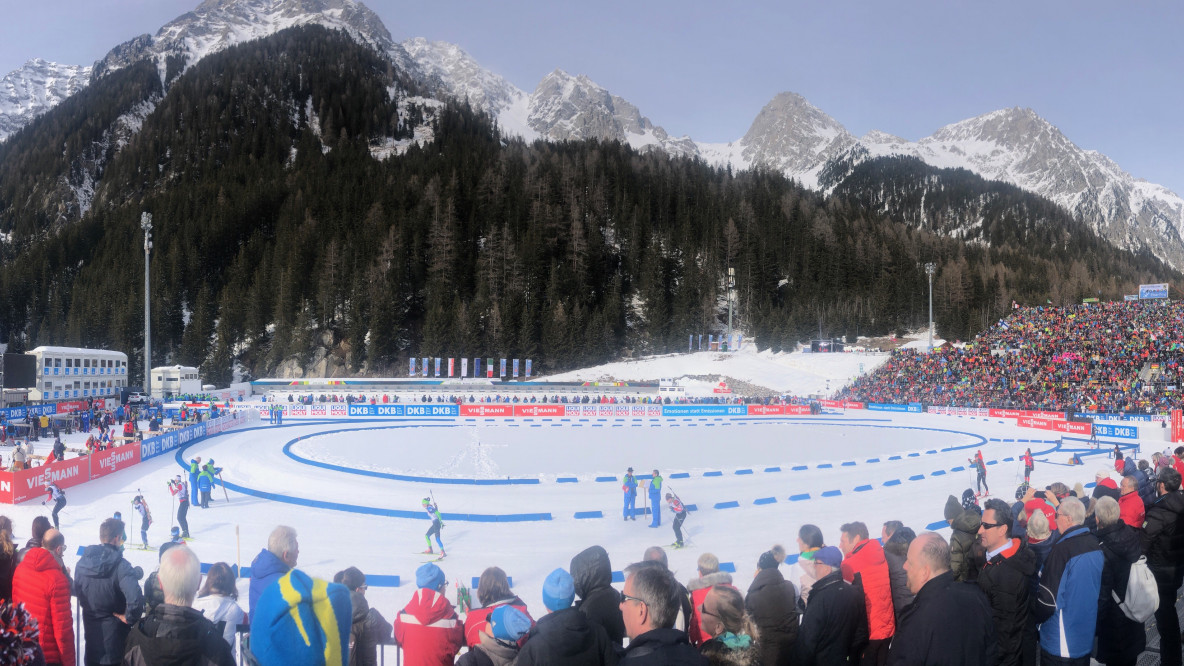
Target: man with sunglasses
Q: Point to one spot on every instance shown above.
(1006, 579)
(649, 605)
(1066, 603)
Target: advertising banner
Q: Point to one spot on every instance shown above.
(1177, 426)
(30, 483)
(425, 367)
(1116, 431)
(765, 410)
(503, 369)
(411, 367)
(704, 410)
(476, 367)
(539, 410)
(414, 411)
(1033, 422)
(486, 410)
(451, 365)
(797, 410)
(528, 368)
(1152, 291)
(155, 446)
(489, 368)
(1073, 427)
(103, 463)
(515, 369)
(437, 366)
(464, 367)
(885, 407)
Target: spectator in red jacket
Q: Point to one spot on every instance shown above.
(864, 566)
(427, 628)
(493, 590)
(1131, 505)
(41, 584)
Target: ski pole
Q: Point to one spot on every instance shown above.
(172, 508)
(224, 493)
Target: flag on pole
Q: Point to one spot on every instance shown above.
(451, 361)
(464, 367)
(528, 368)
(515, 368)
(437, 366)
(503, 372)
(425, 367)
(476, 367)
(411, 369)
(489, 368)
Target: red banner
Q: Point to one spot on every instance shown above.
(1033, 422)
(486, 410)
(1177, 425)
(833, 404)
(103, 463)
(31, 483)
(765, 410)
(1074, 427)
(851, 404)
(539, 410)
(797, 410)
(72, 406)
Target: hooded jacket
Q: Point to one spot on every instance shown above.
(699, 587)
(107, 584)
(265, 570)
(1007, 581)
(1067, 600)
(567, 637)
(42, 586)
(428, 630)
(218, 608)
(176, 636)
(1120, 639)
(867, 569)
(592, 575)
(1163, 533)
(964, 560)
(895, 553)
(772, 603)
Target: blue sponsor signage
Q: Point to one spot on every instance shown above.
(885, 407)
(155, 446)
(410, 411)
(704, 410)
(1147, 291)
(1116, 431)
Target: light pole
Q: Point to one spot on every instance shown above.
(930, 269)
(146, 225)
(731, 302)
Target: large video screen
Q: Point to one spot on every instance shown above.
(20, 371)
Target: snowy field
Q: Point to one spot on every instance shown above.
(352, 488)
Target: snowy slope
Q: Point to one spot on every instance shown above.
(35, 88)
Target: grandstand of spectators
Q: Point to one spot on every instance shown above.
(1108, 357)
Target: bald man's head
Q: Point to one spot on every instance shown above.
(53, 540)
(928, 558)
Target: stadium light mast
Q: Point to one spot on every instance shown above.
(930, 269)
(146, 225)
(731, 302)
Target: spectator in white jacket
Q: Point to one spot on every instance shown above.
(217, 602)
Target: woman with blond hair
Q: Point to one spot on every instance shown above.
(731, 634)
(7, 557)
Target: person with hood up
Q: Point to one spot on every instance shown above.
(175, 633)
(109, 593)
(771, 602)
(300, 621)
(427, 628)
(369, 628)
(732, 637)
(965, 553)
(272, 562)
(709, 576)
(499, 638)
(1006, 579)
(565, 635)
(896, 550)
(1120, 639)
(592, 574)
(217, 600)
(493, 591)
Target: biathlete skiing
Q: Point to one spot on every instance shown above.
(1029, 465)
(437, 525)
(630, 487)
(180, 490)
(981, 466)
(680, 514)
(59, 500)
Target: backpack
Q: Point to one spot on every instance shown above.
(1142, 594)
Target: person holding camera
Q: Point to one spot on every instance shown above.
(109, 593)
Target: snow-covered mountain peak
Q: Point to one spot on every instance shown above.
(463, 76)
(879, 137)
(36, 87)
(793, 136)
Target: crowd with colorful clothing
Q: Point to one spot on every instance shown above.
(1107, 357)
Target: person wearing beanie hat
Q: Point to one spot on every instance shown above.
(966, 561)
(772, 604)
(834, 627)
(565, 635)
(301, 621)
(428, 628)
(499, 638)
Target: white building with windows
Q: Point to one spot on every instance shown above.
(70, 373)
(172, 380)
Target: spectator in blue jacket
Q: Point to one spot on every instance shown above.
(108, 590)
(629, 485)
(273, 562)
(1067, 600)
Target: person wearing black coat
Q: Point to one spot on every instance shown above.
(599, 601)
(834, 627)
(1120, 639)
(1006, 579)
(567, 637)
(109, 593)
(948, 622)
(176, 635)
(772, 604)
(368, 629)
(895, 552)
(1163, 544)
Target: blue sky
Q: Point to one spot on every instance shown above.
(1107, 74)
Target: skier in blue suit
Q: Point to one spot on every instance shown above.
(656, 499)
(630, 488)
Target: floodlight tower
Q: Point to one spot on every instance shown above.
(146, 225)
(731, 302)
(930, 269)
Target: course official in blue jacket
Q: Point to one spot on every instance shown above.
(1066, 605)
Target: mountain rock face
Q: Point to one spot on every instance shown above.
(35, 88)
(794, 137)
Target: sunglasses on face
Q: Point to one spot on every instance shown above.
(987, 526)
(703, 610)
(626, 597)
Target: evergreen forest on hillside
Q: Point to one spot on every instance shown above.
(280, 237)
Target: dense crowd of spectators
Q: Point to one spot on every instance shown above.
(1053, 575)
(1083, 357)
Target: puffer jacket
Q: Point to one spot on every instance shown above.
(107, 584)
(867, 569)
(965, 559)
(772, 604)
(368, 628)
(476, 618)
(1120, 639)
(699, 587)
(488, 652)
(1007, 581)
(593, 576)
(1066, 603)
(42, 586)
(176, 636)
(1163, 533)
(428, 630)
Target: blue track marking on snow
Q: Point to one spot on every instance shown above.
(567, 479)
(916, 477)
(849, 463)
(831, 493)
(580, 515)
(1008, 439)
(893, 457)
(937, 525)
(1008, 459)
(713, 473)
(892, 482)
(873, 460)
(743, 471)
(680, 475)
(862, 489)
(800, 497)
(772, 469)
(914, 455)
(939, 472)
(765, 500)
(729, 567)
(691, 507)
(800, 468)
(959, 468)
(605, 479)
(727, 505)
(992, 462)
(931, 452)
(825, 466)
